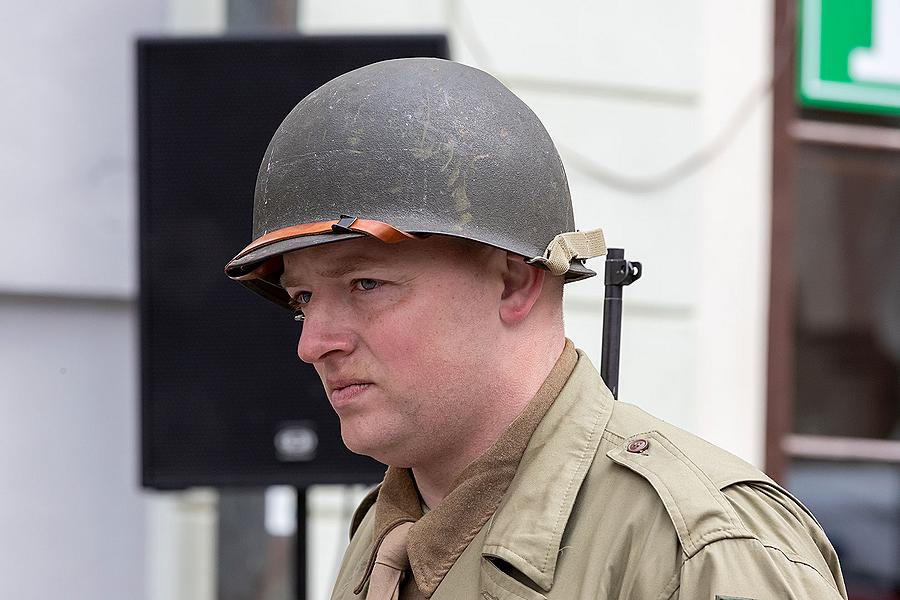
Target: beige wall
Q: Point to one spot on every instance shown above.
(72, 514)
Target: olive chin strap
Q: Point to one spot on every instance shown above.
(571, 245)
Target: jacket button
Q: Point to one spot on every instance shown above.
(637, 446)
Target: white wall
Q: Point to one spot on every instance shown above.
(734, 227)
(71, 512)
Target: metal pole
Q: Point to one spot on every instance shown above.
(261, 15)
(300, 541)
(619, 273)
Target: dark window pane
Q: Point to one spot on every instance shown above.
(847, 264)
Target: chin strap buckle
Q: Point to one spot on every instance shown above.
(344, 224)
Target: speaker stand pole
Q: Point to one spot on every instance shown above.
(300, 539)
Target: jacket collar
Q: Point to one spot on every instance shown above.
(437, 539)
(528, 527)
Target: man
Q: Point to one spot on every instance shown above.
(416, 217)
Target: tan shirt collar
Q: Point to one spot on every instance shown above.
(438, 538)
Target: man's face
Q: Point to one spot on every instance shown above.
(400, 335)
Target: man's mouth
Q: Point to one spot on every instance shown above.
(343, 392)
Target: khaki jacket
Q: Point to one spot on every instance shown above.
(611, 503)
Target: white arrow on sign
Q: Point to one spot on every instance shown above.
(881, 62)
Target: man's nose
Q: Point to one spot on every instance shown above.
(321, 336)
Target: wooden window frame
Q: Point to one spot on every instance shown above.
(788, 131)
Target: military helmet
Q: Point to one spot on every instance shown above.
(407, 148)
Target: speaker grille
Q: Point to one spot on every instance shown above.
(220, 380)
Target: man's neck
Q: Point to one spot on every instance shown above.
(435, 479)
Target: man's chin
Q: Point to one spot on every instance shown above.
(365, 444)
(357, 443)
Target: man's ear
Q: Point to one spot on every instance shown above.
(522, 285)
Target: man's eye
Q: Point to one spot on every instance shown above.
(366, 284)
(297, 303)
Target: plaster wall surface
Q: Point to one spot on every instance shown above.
(71, 511)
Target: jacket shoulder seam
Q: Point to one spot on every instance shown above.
(789, 556)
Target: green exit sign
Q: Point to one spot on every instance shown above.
(850, 55)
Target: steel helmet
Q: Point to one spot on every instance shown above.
(405, 148)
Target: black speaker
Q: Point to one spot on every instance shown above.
(225, 400)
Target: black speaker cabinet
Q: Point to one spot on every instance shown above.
(225, 400)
